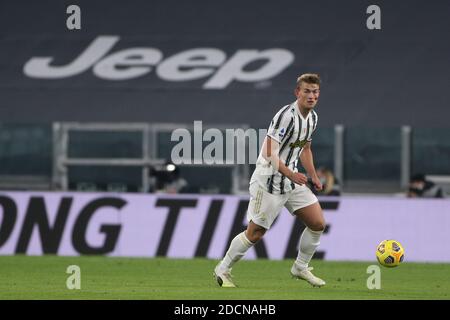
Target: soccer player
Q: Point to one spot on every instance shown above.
(276, 182)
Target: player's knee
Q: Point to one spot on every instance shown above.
(318, 226)
(254, 232)
(255, 235)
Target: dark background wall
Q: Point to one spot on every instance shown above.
(389, 77)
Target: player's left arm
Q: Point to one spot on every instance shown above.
(307, 160)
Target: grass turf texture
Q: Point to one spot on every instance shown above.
(44, 277)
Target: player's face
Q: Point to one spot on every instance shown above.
(307, 95)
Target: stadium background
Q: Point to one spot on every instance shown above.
(77, 151)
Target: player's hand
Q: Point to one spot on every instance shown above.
(317, 184)
(298, 178)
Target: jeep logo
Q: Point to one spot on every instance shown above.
(192, 64)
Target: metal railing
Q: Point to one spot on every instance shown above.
(150, 155)
(150, 152)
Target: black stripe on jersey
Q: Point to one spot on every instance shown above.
(300, 149)
(291, 123)
(307, 131)
(277, 123)
(314, 116)
(288, 136)
(293, 169)
(270, 183)
(288, 159)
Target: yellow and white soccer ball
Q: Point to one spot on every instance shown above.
(390, 253)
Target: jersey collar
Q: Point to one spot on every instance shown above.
(298, 111)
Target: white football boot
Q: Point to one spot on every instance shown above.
(305, 274)
(223, 277)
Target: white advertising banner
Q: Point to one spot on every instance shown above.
(185, 226)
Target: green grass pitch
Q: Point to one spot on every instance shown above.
(44, 277)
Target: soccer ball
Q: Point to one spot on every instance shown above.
(390, 253)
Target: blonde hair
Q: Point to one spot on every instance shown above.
(311, 78)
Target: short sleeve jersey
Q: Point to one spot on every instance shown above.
(292, 131)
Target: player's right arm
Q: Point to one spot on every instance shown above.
(270, 152)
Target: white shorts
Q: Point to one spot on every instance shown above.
(264, 207)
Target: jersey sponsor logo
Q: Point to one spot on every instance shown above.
(298, 144)
(282, 132)
(192, 64)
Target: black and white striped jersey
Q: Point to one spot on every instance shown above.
(292, 132)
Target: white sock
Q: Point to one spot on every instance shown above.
(309, 241)
(238, 247)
